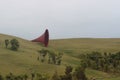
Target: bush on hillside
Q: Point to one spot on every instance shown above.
(14, 44)
(106, 62)
(6, 43)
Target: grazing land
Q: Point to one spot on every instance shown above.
(25, 59)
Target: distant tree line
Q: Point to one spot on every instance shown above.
(107, 62)
(78, 74)
(14, 44)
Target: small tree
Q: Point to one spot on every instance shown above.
(42, 76)
(67, 75)
(25, 76)
(79, 73)
(68, 70)
(43, 53)
(58, 58)
(59, 61)
(32, 76)
(10, 76)
(14, 44)
(6, 43)
(55, 76)
(1, 77)
(52, 57)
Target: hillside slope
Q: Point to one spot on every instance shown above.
(25, 59)
(74, 47)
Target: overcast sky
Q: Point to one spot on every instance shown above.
(64, 18)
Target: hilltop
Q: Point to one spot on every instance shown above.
(85, 45)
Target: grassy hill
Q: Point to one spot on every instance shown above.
(25, 59)
(75, 47)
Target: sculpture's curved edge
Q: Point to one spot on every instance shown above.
(43, 38)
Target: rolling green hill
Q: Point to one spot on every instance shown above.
(75, 47)
(25, 59)
(22, 61)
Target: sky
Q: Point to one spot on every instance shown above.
(28, 19)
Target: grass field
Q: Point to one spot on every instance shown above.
(75, 47)
(25, 59)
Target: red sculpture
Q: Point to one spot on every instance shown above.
(43, 39)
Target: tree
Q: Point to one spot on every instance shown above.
(55, 76)
(14, 44)
(10, 76)
(25, 76)
(59, 61)
(106, 68)
(58, 58)
(84, 63)
(79, 73)
(43, 53)
(42, 76)
(52, 57)
(32, 76)
(68, 71)
(68, 75)
(6, 43)
(1, 77)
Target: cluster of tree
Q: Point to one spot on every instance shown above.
(106, 62)
(53, 57)
(14, 44)
(78, 74)
(33, 76)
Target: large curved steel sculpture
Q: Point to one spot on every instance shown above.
(43, 39)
